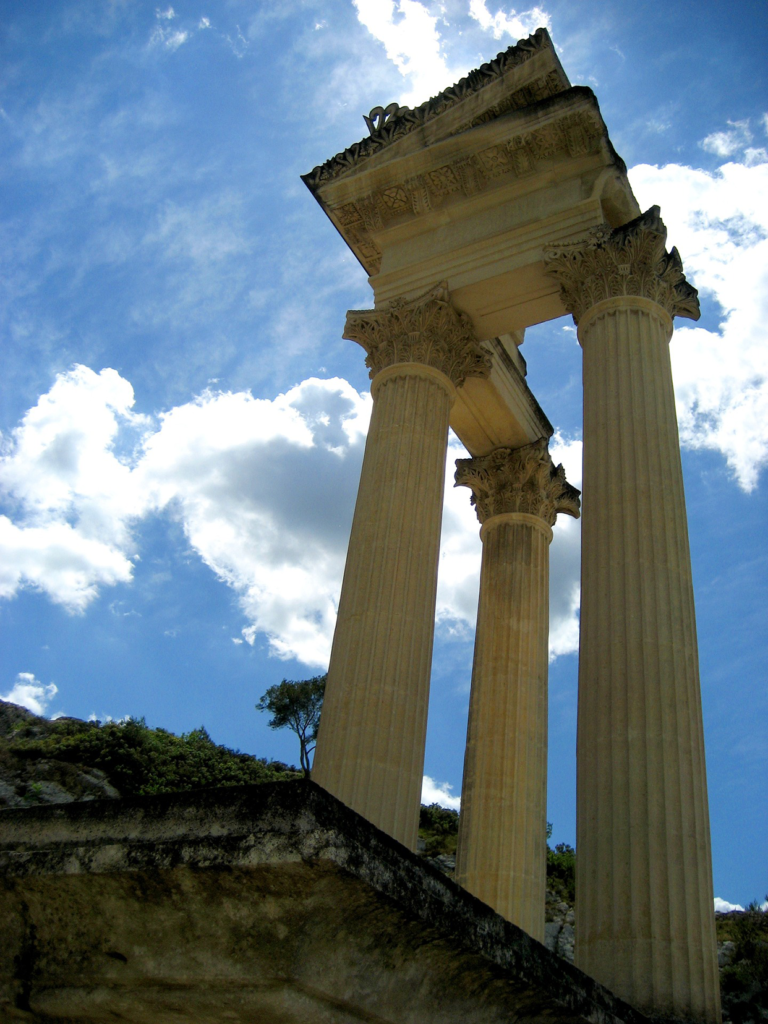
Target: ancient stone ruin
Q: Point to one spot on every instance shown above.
(496, 205)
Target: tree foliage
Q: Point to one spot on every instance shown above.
(138, 760)
(744, 982)
(296, 705)
(561, 871)
(439, 828)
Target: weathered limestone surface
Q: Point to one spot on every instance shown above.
(469, 188)
(272, 904)
(370, 749)
(642, 815)
(501, 854)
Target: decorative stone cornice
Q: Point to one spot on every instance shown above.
(387, 125)
(573, 134)
(424, 330)
(518, 480)
(629, 261)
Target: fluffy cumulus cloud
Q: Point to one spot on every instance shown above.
(439, 793)
(264, 490)
(411, 36)
(565, 559)
(71, 494)
(411, 39)
(719, 222)
(512, 24)
(729, 140)
(724, 907)
(30, 693)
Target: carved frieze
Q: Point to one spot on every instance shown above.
(518, 480)
(575, 135)
(629, 261)
(386, 125)
(424, 330)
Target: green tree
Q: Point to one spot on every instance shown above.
(296, 704)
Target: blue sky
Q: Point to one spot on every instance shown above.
(182, 424)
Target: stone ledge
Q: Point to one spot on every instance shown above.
(268, 903)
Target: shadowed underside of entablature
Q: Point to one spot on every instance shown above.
(470, 189)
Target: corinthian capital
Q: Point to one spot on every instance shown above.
(424, 330)
(518, 480)
(629, 261)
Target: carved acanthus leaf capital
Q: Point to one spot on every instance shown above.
(629, 261)
(518, 480)
(425, 330)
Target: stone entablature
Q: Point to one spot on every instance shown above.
(461, 177)
(518, 480)
(509, 148)
(390, 124)
(629, 261)
(427, 330)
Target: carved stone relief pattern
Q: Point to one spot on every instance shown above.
(576, 134)
(518, 480)
(629, 261)
(425, 330)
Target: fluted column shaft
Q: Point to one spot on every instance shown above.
(644, 911)
(501, 853)
(370, 747)
(370, 750)
(644, 907)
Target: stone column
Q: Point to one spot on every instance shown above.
(501, 854)
(370, 749)
(644, 910)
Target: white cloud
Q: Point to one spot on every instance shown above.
(460, 552)
(263, 489)
(516, 25)
(30, 693)
(755, 155)
(411, 41)
(58, 560)
(176, 39)
(730, 141)
(204, 23)
(74, 496)
(565, 558)
(724, 907)
(163, 35)
(439, 793)
(719, 222)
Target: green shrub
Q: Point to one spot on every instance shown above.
(744, 982)
(561, 871)
(439, 828)
(138, 760)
